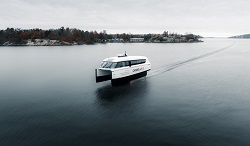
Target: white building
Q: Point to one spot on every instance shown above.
(136, 39)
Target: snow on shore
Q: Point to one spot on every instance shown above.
(41, 42)
(46, 42)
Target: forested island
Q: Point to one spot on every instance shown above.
(68, 36)
(244, 36)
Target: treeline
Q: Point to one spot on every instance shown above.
(20, 36)
(12, 36)
(244, 36)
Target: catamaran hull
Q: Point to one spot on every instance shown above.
(119, 81)
(102, 75)
(107, 75)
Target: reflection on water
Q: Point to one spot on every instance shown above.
(129, 92)
(109, 92)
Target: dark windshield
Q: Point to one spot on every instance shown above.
(106, 64)
(122, 64)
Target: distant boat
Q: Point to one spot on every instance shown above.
(122, 69)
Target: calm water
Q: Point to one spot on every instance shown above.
(195, 94)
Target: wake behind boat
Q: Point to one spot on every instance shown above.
(122, 69)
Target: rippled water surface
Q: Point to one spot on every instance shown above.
(195, 94)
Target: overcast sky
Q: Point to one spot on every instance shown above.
(203, 17)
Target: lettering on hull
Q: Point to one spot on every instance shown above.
(138, 69)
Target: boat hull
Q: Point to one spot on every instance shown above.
(119, 81)
(102, 75)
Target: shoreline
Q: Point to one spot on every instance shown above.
(59, 43)
(72, 36)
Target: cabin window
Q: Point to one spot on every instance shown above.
(113, 65)
(127, 63)
(122, 64)
(138, 61)
(106, 64)
(103, 64)
(133, 62)
(119, 64)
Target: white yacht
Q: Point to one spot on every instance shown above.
(122, 69)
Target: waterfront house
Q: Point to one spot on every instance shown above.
(136, 39)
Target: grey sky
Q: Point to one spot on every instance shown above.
(204, 17)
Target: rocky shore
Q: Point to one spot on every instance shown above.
(41, 42)
(47, 42)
